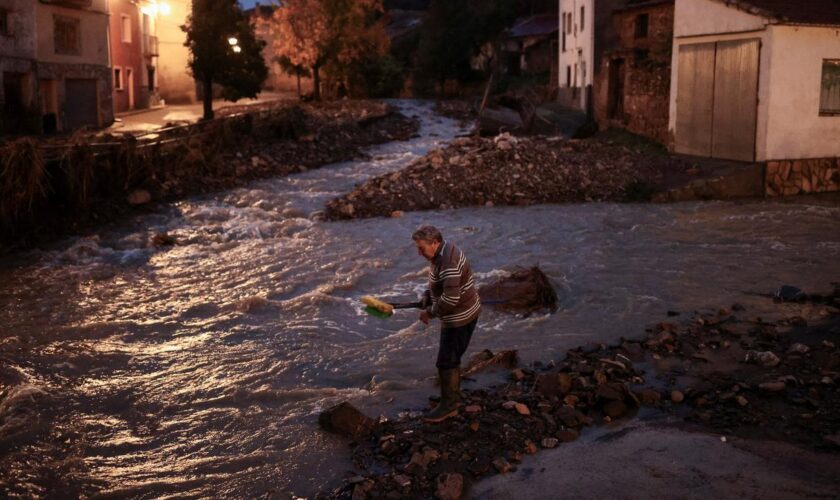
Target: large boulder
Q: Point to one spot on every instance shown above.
(346, 420)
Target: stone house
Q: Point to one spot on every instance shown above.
(759, 80)
(586, 33)
(134, 53)
(54, 65)
(530, 47)
(633, 86)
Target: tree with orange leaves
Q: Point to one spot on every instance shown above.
(333, 35)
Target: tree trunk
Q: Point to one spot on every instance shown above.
(316, 83)
(208, 99)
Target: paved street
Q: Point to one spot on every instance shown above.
(156, 118)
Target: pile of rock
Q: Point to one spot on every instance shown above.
(505, 170)
(295, 139)
(737, 375)
(540, 408)
(757, 379)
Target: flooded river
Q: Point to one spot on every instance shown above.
(200, 369)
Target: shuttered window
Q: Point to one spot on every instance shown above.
(830, 88)
(67, 36)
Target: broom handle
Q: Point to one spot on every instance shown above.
(419, 305)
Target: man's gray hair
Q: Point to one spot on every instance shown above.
(427, 233)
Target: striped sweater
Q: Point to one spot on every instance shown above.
(454, 295)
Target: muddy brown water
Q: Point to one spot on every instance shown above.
(199, 370)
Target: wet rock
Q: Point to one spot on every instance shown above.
(553, 384)
(650, 397)
(518, 375)
(530, 448)
(610, 392)
(402, 480)
(567, 435)
(449, 486)
(742, 401)
(615, 409)
(470, 409)
(485, 359)
(519, 407)
(501, 465)
(798, 348)
(549, 443)
(139, 197)
(163, 239)
(772, 386)
(764, 358)
(346, 420)
(677, 396)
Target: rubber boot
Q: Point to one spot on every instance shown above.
(450, 396)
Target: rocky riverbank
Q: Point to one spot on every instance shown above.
(55, 187)
(508, 170)
(730, 373)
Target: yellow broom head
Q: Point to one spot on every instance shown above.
(378, 305)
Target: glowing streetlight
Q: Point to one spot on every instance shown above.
(165, 9)
(233, 41)
(237, 49)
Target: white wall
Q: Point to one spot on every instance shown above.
(700, 17)
(580, 45)
(174, 81)
(794, 127)
(701, 21)
(788, 122)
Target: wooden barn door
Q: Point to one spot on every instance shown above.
(717, 99)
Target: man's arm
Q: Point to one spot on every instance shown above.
(451, 290)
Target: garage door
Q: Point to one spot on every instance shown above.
(717, 99)
(81, 106)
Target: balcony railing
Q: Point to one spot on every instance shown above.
(150, 45)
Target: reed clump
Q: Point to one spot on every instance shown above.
(23, 179)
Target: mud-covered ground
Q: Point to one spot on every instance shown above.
(733, 373)
(508, 170)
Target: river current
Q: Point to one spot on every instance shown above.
(200, 369)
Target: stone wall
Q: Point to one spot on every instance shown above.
(642, 85)
(791, 177)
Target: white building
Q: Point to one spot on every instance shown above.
(586, 30)
(756, 80)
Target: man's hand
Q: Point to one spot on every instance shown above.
(424, 317)
(426, 301)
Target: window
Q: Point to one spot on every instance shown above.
(568, 76)
(126, 29)
(582, 18)
(4, 22)
(118, 80)
(830, 88)
(66, 35)
(642, 26)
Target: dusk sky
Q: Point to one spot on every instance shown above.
(250, 3)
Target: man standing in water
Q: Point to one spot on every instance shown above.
(454, 300)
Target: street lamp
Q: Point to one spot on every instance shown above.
(237, 49)
(233, 41)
